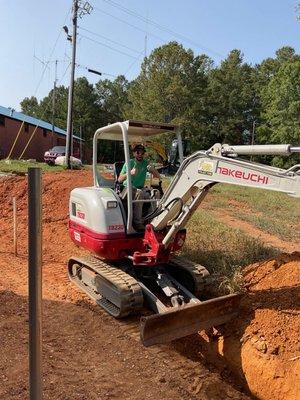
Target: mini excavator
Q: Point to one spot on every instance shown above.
(131, 271)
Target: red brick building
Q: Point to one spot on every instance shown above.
(37, 132)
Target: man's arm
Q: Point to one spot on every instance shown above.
(123, 174)
(154, 172)
(122, 178)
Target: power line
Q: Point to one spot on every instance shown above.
(40, 118)
(46, 64)
(161, 27)
(64, 73)
(110, 40)
(106, 45)
(128, 23)
(102, 73)
(132, 64)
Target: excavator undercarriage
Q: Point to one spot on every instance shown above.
(171, 290)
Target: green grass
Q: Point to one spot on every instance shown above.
(222, 250)
(272, 212)
(21, 167)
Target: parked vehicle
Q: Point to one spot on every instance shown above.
(51, 155)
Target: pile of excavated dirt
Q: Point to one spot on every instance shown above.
(261, 347)
(89, 355)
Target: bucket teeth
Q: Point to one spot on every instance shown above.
(184, 321)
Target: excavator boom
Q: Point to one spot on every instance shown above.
(199, 172)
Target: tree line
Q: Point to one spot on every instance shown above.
(234, 102)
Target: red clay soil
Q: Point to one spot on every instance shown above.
(89, 355)
(261, 347)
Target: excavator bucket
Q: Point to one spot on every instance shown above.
(174, 324)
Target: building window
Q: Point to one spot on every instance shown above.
(26, 127)
(44, 132)
(2, 120)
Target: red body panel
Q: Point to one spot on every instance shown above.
(145, 250)
(113, 246)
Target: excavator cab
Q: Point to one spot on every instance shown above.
(129, 132)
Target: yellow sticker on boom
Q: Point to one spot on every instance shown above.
(206, 167)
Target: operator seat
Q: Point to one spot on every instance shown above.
(119, 187)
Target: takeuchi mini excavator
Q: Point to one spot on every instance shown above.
(131, 271)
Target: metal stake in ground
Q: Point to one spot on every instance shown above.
(35, 282)
(15, 226)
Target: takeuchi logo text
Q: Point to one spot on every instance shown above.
(246, 176)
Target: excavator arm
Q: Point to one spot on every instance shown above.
(220, 164)
(196, 175)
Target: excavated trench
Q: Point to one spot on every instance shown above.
(88, 355)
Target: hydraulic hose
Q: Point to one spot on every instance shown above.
(159, 211)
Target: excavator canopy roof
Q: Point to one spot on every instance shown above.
(137, 131)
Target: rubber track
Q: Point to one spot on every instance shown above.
(199, 274)
(130, 292)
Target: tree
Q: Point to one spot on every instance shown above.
(168, 87)
(281, 108)
(30, 106)
(61, 102)
(112, 97)
(277, 86)
(232, 103)
(270, 66)
(86, 111)
(86, 114)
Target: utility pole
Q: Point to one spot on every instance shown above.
(297, 8)
(80, 143)
(71, 87)
(53, 102)
(146, 37)
(253, 133)
(83, 9)
(252, 137)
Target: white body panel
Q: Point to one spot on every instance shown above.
(90, 207)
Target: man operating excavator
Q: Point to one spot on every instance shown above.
(139, 167)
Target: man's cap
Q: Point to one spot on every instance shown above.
(139, 147)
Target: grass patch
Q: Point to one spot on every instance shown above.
(288, 230)
(272, 212)
(20, 167)
(222, 250)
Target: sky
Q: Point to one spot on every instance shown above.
(117, 34)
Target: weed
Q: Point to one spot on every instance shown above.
(222, 250)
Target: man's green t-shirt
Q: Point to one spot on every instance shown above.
(138, 180)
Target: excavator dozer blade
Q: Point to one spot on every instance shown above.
(174, 324)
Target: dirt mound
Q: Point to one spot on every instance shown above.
(261, 346)
(88, 355)
(270, 329)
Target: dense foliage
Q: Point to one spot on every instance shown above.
(233, 102)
